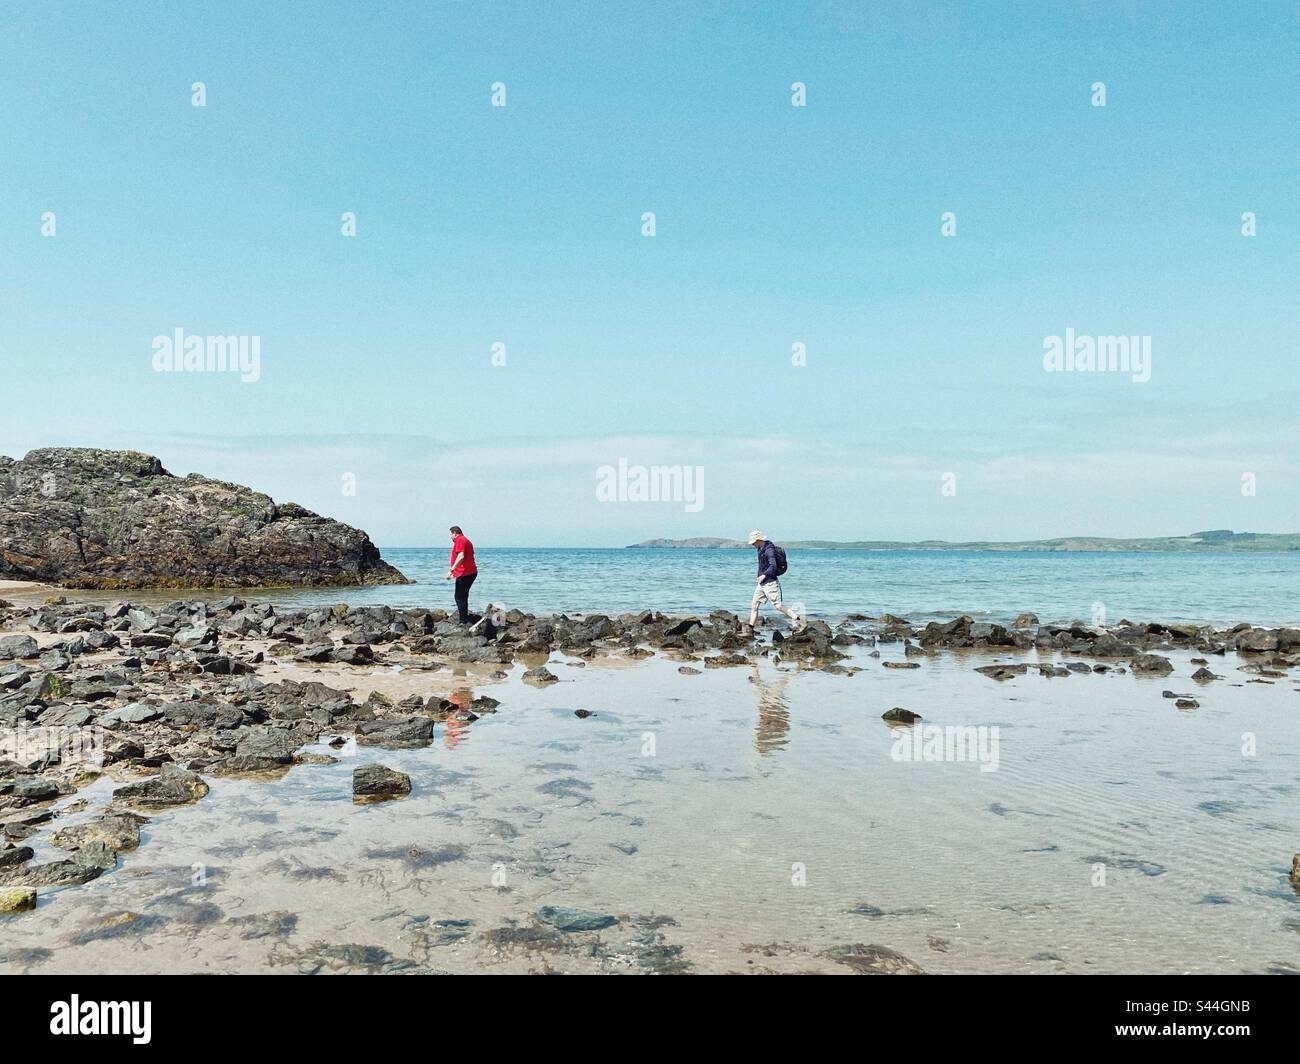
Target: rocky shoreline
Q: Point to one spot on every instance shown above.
(168, 696)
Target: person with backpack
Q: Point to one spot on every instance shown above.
(771, 565)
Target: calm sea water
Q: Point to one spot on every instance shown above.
(1212, 588)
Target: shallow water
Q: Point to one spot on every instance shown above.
(688, 807)
(1219, 589)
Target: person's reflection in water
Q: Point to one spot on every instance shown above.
(773, 729)
(456, 731)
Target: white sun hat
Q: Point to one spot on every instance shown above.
(755, 536)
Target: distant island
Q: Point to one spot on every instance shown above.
(1221, 539)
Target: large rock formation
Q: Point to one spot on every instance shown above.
(87, 518)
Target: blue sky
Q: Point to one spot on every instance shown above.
(775, 225)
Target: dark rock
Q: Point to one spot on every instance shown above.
(261, 749)
(1152, 664)
(15, 855)
(118, 519)
(61, 716)
(471, 649)
(156, 640)
(174, 786)
(682, 627)
(193, 638)
(897, 715)
(96, 854)
(52, 874)
(396, 732)
(116, 831)
(35, 790)
(1002, 672)
(14, 646)
(1257, 640)
(992, 634)
(376, 783)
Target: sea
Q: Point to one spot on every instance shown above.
(1102, 587)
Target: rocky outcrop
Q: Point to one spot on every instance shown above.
(88, 518)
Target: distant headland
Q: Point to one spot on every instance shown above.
(1216, 540)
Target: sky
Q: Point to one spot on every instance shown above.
(922, 408)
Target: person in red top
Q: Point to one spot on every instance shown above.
(462, 570)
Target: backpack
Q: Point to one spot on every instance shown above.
(781, 565)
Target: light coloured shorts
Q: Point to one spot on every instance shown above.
(770, 591)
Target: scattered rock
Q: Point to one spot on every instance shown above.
(17, 899)
(1152, 664)
(35, 790)
(377, 783)
(52, 873)
(396, 732)
(16, 646)
(135, 713)
(1002, 672)
(172, 787)
(117, 831)
(898, 715)
(15, 856)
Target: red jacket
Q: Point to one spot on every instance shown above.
(467, 567)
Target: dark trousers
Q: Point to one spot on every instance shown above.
(462, 595)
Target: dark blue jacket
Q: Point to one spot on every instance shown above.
(767, 561)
